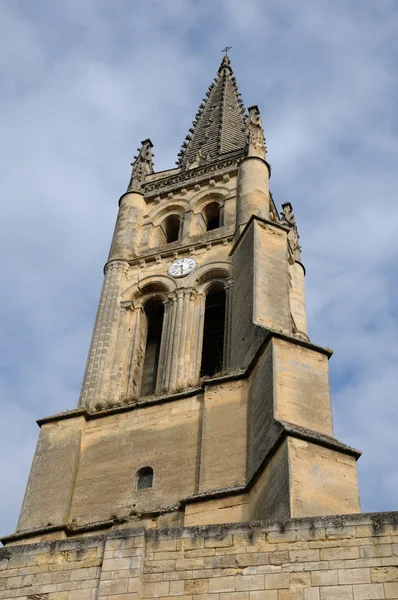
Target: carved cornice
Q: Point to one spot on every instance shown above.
(189, 248)
(180, 180)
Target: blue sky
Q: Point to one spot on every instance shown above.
(82, 83)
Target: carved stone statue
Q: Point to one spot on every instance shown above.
(255, 142)
(289, 220)
(142, 166)
(200, 158)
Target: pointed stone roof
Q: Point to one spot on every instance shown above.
(219, 125)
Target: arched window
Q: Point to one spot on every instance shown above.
(212, 214)
(144, 478)
(171, 228)
(213, 333)
(154, 311)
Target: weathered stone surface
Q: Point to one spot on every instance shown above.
(61, 571)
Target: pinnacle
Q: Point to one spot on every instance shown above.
(219, 124)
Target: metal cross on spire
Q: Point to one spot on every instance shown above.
(226, 50)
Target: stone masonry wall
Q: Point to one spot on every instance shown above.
(352, 557)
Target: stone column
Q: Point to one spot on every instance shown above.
(190, 339)
(121, 352)
(297, 299)
(136, 352)
(186, 225)
(228, 325)
(253, 190)
(96, 379)
(197, 337)
(162, 368)
(169, 342)
(128, 230)
(176, 336)
(182, 355)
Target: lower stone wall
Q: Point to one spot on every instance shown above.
(350, 557)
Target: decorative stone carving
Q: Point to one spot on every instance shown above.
(255, 142)
(142, 166)
(200, 159)
(289, 220)
(174, 180)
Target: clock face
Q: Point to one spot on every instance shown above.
(182, 267)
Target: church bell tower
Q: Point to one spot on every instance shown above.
(203, 400)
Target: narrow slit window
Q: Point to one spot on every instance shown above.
(154, 311)
(213, 334)
(144, 478)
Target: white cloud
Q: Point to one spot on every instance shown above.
(85, 82)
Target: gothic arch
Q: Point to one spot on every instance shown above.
(162, 281)
(152, 284)
(216, 194)
(205, 274)
(159, 213)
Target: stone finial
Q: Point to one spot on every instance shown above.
(255, 142)
(289, 220)
(225, 64)
(200, 159)
(142, 166)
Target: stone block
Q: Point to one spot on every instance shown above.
(384, 574)
(311, 593)
(116, 564)
(376, 551)
(235, 596)
(135, 586)
(249, 582)
(278, 558)
(311, 534)
(196, 586)
(109, 587)
(190, 543)
(277, 581)
(339, 533)
(176, 588)
(79, 595)
(60, 576)
(156, 589)
(387, 561)
(336, 592)
(304, 555)
(58, 596)
(354, 576)
(319, 578)
(84, 574)
(252, 558)
(184, 564)
(289, 535)
(222, 584)
(368, 591)
(123, 597)
(219, 543)
(162, 545)
(160, 566)
(391, 590)
(207, 573)
(339, 553)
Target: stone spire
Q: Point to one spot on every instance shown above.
(219, 125)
